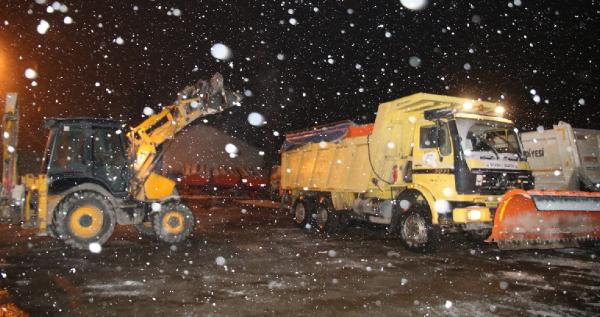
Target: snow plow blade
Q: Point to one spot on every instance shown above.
(546, 219)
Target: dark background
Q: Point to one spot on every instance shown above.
(548, 46)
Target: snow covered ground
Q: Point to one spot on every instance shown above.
(256, 263)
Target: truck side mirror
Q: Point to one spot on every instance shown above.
(438, 136)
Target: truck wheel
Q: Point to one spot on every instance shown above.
(416, 230)
(302, 209)
(174, 222)
(328, 220)
(83, 218)
(145, 229)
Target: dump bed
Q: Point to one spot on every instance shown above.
(333, 158)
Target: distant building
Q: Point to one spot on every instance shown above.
(202, 145)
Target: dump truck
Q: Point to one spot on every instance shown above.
(564, 158)
(97, 172)
(428, 165)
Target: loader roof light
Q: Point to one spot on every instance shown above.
(468, 106)
(499, 110)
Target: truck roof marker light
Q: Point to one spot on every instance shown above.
(499, 110)
(412, 119)
(468, 105)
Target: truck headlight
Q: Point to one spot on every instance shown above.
(474, 214)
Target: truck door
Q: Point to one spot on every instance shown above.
(433, 148)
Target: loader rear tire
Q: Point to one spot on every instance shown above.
(174, 222)
(417, 231)
(83, 218)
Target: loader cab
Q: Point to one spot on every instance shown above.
(85, 150)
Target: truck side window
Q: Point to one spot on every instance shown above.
(428, 137)
(431, 135)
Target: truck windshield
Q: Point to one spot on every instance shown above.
(485, 139)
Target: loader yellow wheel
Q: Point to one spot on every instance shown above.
(83, 218)
(86, 221)
(174, 222)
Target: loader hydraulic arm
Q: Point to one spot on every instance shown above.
(193, 102)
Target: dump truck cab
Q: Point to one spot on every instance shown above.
(460, 155)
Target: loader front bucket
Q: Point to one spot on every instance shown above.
(546, 219)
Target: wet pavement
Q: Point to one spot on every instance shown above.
(271, 267)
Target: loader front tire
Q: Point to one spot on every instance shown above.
(174, 222)
(83, 218)
(416, 230)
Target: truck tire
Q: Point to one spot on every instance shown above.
(174, 222)
(302, 210)
(416, 230)
(330, 221)
(83, 218)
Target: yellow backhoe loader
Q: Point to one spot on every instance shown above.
(95, 174)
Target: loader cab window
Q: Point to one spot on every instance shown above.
(436, 136)
(108, 148)
(110, 162)
(69, 150)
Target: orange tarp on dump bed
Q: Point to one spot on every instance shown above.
(359, 130)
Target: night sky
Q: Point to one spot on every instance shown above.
(303, 62)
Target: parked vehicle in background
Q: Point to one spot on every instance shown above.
(254, 182)
(564, 157)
